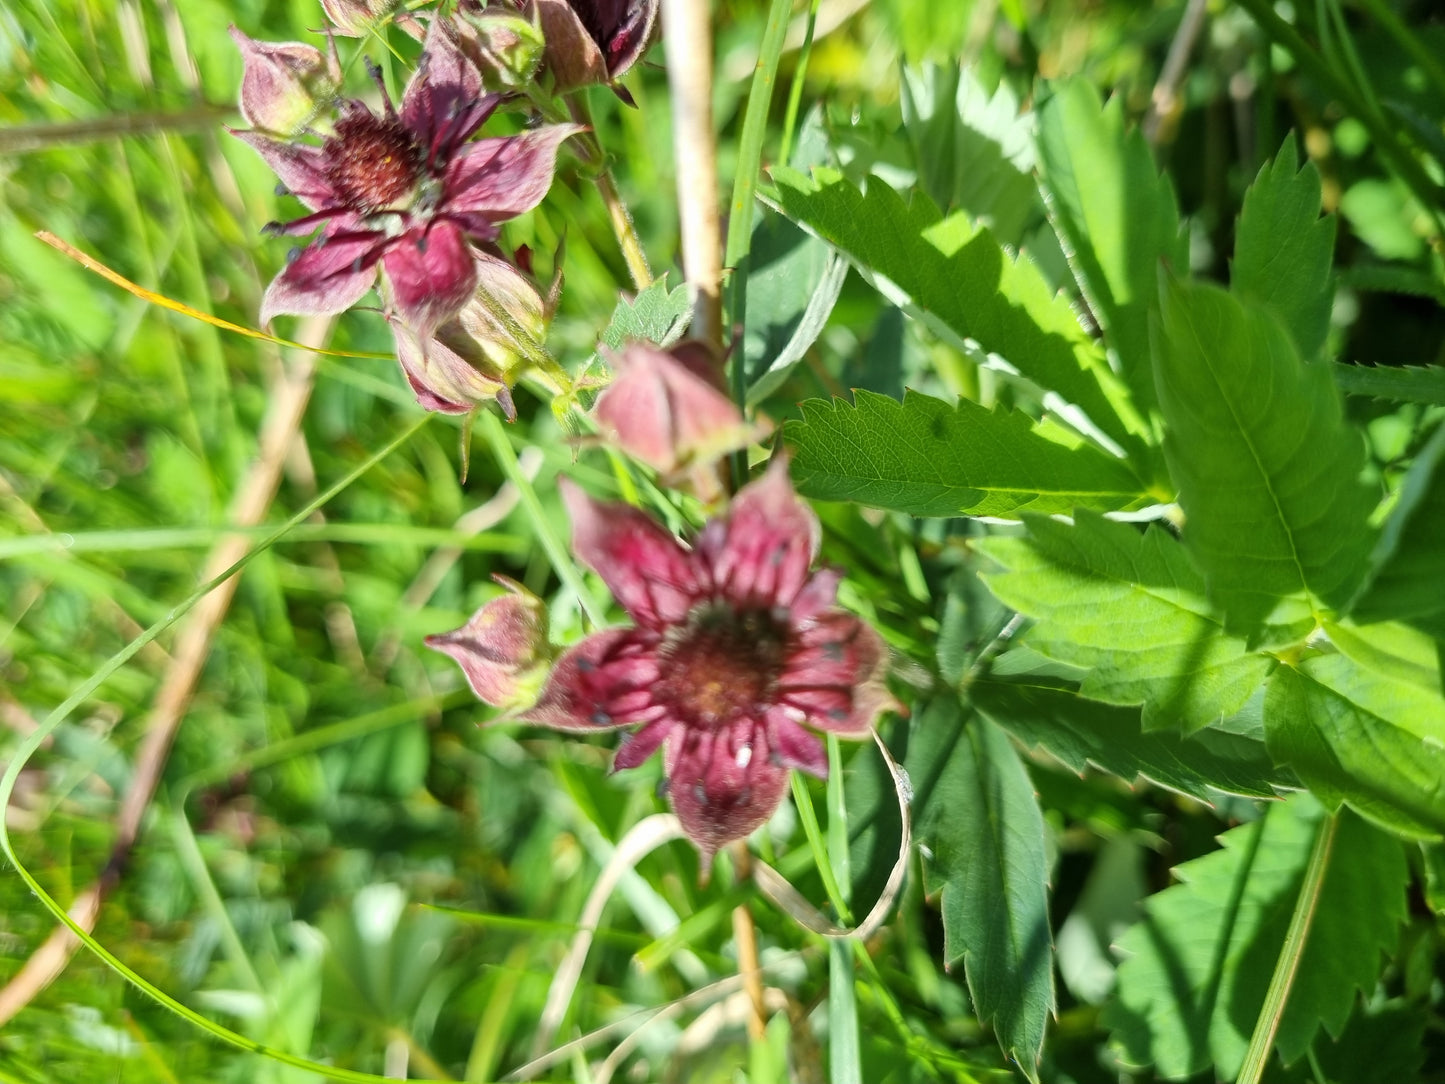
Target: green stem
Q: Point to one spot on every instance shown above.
(745, 185)
(562, 564)
(1290, 954)
(795, 92)
(618, 215)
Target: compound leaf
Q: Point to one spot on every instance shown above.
(1283, 249)
(1128, 606)
(1266, 466)
(1200, 961)
(930, 458)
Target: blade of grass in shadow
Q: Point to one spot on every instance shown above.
(745, 184)
(1290, 954)
(562, 564)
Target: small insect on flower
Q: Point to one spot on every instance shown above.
(738, 648)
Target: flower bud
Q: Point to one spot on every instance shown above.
(594, 41)
(506, 47)
(357, 18)
(284, 85)
(503, 649)
(666, 410)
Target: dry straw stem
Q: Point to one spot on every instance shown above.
(644, 837)
(687, 39)
(288, 398)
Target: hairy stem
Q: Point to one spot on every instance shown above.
(623, 228)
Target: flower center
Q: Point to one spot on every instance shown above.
(372, 162)
(722, 665)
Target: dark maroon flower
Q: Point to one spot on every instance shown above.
(405, 191)
(736, 646)
(594, 41)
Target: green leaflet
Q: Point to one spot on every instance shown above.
(1405, 384)
(1283, 249)
(1080, 733)
(974, 148)
(1265, 464)
(1406, 577)
(975, 809)
(1128, 606)
(1118, 218)
(1199, 962)
(655, 315)
(1360, 737)
(930, 458)
(954, 275)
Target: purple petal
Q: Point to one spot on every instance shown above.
(329, 276)
(432, 275)
(645, 568)
(796, 747)
(722, 783)
(835, 677)
(302, 169)
(443, 380)
(661, 411)
(816, 596)
(761, 553)
(446, 86)
(595, 683)
(573, 57)
(629, 36)
(642, 743)
(501, 178)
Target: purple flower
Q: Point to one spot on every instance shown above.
(478, 355)
(594, 41)
(405, 191)
(736, 646)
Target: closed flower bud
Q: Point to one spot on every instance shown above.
(503, 649)
(284, 85)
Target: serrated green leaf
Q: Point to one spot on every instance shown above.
(1129, 607)
(1283, 249)
(1392, 650)
(1081, 733)
(1266, 466)
(1201, 959)
(1405, 580)
(955, 276)
(1358, 737)
(930, 458)
(974, 149)
(655, 315)
(1402, 384)
(976, 811)
(1117, 215)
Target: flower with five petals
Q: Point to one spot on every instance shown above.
(738, 648)
(408, 191)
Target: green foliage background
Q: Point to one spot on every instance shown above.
(1126, 743)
